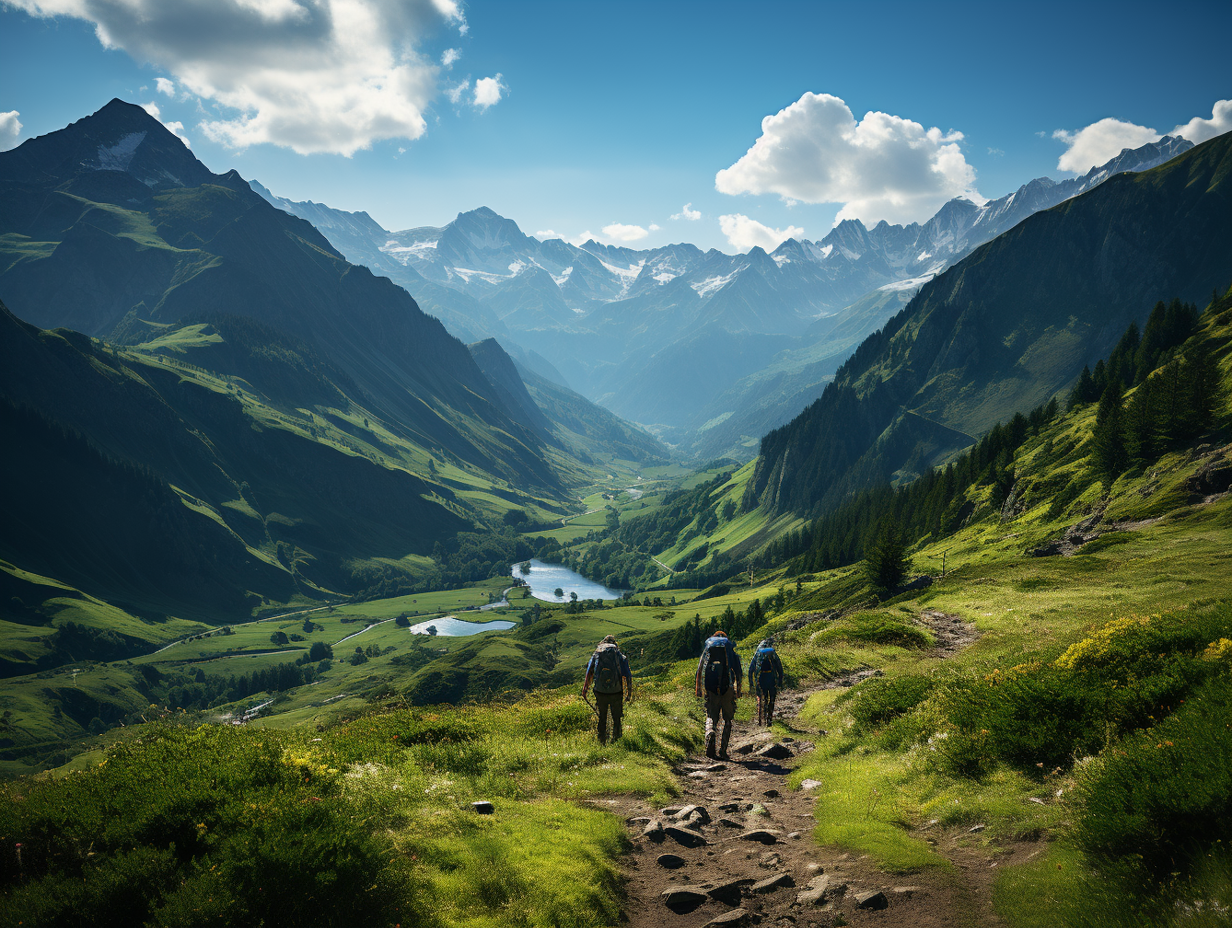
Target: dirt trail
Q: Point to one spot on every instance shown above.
(749, 858)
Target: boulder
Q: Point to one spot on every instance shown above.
(653, 831)
(670, 861)
(760, 835)
(697, 814)
(776, 751)
(871, 900)
(728, 919)
(682, 900)
(483, 807)
(729, 893)
(810, 784)
(770, 884)
(685, 836)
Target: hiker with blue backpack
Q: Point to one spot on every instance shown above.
(608, 670)
(718, 675)
(765, 678)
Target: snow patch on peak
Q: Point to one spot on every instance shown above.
(909, 284)
(564, 276)
(119, 156)
(711, 285)
(780, 260)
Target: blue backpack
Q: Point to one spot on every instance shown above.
(767, 673)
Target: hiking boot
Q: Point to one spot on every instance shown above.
(710, 746)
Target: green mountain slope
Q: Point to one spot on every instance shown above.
(1007, 328)
(112, 228)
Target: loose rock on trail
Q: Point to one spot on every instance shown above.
(737, 849)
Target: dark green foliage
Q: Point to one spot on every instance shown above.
(1108, 454)
(933, 504)
(885, 560)
(1049, 712)
(881, 700)
(197, 827)
(1164, 795)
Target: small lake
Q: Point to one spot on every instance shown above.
(544, 579)
(449, 627)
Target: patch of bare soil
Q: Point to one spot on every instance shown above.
(737, 847)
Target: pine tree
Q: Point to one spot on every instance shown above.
(1108, 455)
(885, 560)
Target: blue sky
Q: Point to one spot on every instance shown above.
(585, 117)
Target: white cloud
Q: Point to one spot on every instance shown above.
(743, 233)
(620, 232)
(1198, 130)
(165, 86)
(882, 167)
(10, 130)
(311, 75)
(488, 91)
(176, 128)
(654, 227)
(1100, 142)
(456, 92)
(687, 213)
(450, 56)
(999, 152)
(545, 234)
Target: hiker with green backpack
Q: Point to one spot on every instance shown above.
(718, 675)
(765, 678)
(608, 670)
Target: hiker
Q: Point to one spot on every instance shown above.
(609, 671)
(718, 672)
(765, 678)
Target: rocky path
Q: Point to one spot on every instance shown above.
(737, 849)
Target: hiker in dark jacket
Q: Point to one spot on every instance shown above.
(718, 677)
(765, 679)
(609, 671)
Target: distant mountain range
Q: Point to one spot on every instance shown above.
(633, 329)
(1006, 329)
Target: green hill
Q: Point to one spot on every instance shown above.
(112, 228)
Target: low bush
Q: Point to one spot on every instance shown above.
(1044, 714)
(1164, 796)
(883, 628)
(883, 699)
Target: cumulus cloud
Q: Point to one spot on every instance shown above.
(311, 75)
(456, 92)
(176, 127)
(743, 233)
(1102, 141)
(10, 130)
(619, 232)
(882, 167)
(450, 56)
(1198, 130)
(687, 213)
(488, 91)
(165, 86)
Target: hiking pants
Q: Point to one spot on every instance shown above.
(717, 705)
(765, 706)
(615, 703)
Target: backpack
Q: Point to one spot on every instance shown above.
(767, 675)
(607, 669)
(716, 675)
